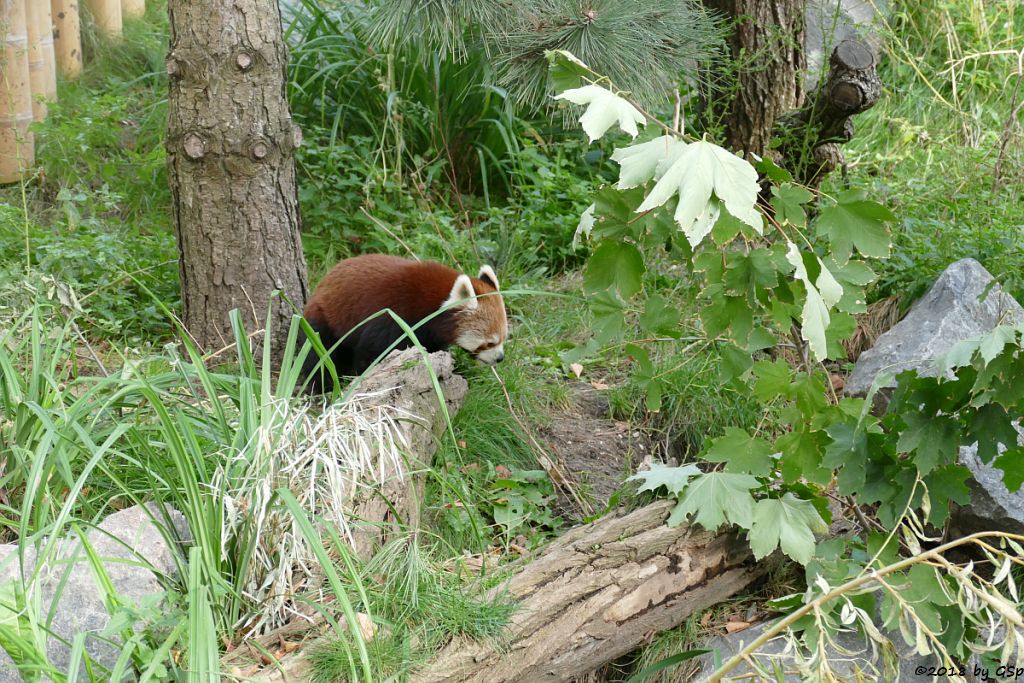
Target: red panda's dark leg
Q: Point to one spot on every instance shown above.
(319, 379)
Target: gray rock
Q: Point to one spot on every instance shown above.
(831, 21)
(133, 551)
(993, 507)
(851, 657)
(960, 305)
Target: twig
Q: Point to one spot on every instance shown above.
(851, 585)
(1004, 139)
(380, 224)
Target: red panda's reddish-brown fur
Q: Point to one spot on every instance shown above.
(359, 287)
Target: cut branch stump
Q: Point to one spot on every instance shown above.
(811, 137)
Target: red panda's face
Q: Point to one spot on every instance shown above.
(482, 326)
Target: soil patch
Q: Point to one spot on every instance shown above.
(597, 453)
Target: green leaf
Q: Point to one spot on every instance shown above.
(735, 362)
(742, 453)
(788, 201)
(660, 317)
(615, 264)
(856, 222)
(613, 210)
(947, 484)
(802, 452)
(1012, 464)
(934, 440)
(747, 274)
(699, 173)
(609, 316)
(566, 71)
(715, 498)
(604, 110)
(674, 479)
(993, 342)
(788, 523)
(727, 312)
(992, 426)
(773, 379)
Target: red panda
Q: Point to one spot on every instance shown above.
(356, 288)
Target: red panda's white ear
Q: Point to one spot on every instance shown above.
(462, 294)
(488, 276)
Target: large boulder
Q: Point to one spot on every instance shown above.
(964, 303)
(133, 552)
(993, 507)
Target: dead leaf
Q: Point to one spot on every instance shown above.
(502, 471)
(736, 626)
(600, 386)
(576, 369)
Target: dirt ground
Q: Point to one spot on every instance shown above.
(597, 453)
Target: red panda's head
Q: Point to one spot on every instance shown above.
(481, 324)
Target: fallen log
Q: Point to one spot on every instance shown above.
(597, 593)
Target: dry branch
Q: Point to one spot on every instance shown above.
(811, 137)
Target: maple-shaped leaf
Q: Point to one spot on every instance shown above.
(706, 177)
(856, 222)
(788, 523)
(639, 163)
(742, 453)
(715, 498)
(604, 110)
(821, 295)
(1011, 462)
(674, 479)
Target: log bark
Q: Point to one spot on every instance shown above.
(230, 148)
(401, 382)
(811, 137)
(597, 593)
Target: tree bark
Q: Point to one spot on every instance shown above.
(230, 149)
(766, 45)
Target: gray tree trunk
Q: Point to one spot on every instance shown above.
(767, 43)
(230, 149)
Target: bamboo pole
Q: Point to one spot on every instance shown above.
(67, 37)
(133, 9)
(41, 61)
(107, 16)
(17, 147)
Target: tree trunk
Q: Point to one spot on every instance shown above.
(230, 149)
(767, 46)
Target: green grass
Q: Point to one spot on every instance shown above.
(930, 147)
